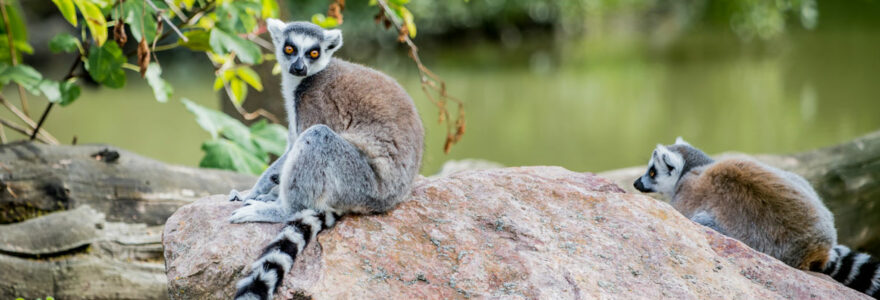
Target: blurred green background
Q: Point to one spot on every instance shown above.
(587, 85)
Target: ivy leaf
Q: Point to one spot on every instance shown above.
(63, 42)
(67, 10)
(250, 76)
(223, 154)
(105, 65)
(62, 93)
(271, 138)
(223, 42)
(94, 19)
(161, 89)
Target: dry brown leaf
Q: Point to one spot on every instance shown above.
(143, 52)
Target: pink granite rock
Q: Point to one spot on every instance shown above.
(534, 232)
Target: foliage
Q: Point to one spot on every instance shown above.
(226, 31)
(233, 145)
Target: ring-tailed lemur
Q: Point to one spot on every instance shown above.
(771, 210)
(354, 146)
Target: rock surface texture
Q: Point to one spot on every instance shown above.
(536, 233)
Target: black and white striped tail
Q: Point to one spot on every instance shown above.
(268, 271)
(858, 271)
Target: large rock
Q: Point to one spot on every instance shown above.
(538, 233)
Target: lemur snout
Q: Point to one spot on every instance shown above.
(298, 68)
(639, 186)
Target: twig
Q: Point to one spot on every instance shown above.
(42, 119)
(69, 75)
(2, 134)
(21, 94)
(167, 21)
(22, 130)
(429, 80)
(27, 120)
(263, 43)
(177, 11)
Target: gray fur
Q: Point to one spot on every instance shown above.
(771, 210)
(354, 146)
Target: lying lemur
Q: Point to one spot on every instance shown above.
(354, 146)
(771, 210)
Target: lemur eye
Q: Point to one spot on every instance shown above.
(288, 49)
(652, 172)
(314, 53)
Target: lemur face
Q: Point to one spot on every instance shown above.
(303, 48)
(664, 169)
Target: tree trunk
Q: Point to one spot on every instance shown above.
(36, 179)
(846, 176)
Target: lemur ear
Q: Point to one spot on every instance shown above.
(276, 28)
(669, 165)
(333, 39)
(681, 141)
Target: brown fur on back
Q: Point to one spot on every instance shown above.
(371, 111)
(761, 207)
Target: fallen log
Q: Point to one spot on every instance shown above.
(36, 179)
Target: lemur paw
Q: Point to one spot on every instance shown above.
(235, 196)
(247, 213)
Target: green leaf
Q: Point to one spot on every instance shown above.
(325, 22)
(141, 22)
(223, 154)
(17, 24)
(20, 47)
(24, 75)
(218, 123)
(271, 138)
(250, 76)
(197, 40)
(238, 16)
(239, 91)
(161, 88)
(67, 10)
(223, 42)
(63, 42)
(94, 19)
(186, 3)
(62, 93)
(105, 65)
(408, 21)
(270, 9)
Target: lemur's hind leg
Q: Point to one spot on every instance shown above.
(328, 174)
(707, 219)
(323, 172)
(266, 187)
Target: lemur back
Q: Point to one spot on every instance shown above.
(771, 210)
(372, 112)
(354, 146)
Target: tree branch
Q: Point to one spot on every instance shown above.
(167, 21)
(27, 120)
(22, 130)
(430, 81)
